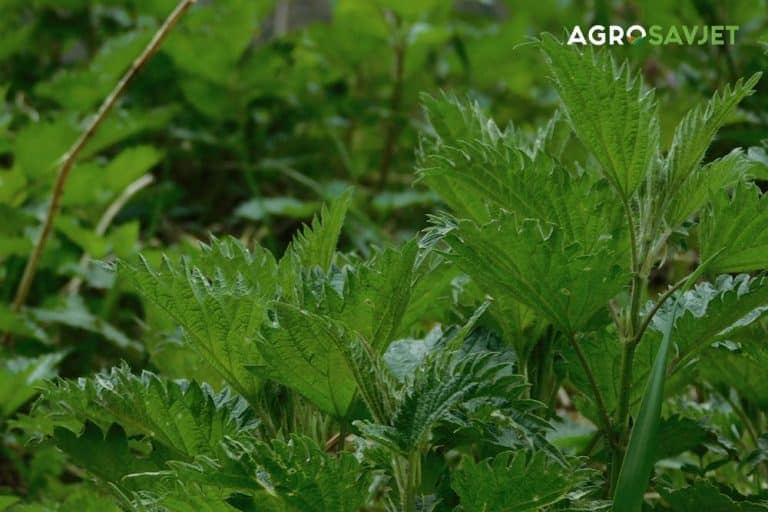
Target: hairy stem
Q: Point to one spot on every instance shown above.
(630, 328)
(70, 157)
(408, 476)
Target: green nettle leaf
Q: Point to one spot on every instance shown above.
(109, 456)
(307, 352)
(219, 297)
(307, 478)
(734, 227)
(711, 311)
(740, 365)
(183, 418)
(516, 482)
(316, 244)
(184, 502)
(377, 294)
(478, 169)
(436, 390)
(469, 161)
(293, 475)
(565, 280)
(704, 495)
(611, 113)
(697, 129)
(527, 229)
(695, 192)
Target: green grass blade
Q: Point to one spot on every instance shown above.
(640, 457)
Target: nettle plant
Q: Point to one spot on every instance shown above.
(514, 358)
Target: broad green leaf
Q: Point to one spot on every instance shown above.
(478, 169)
(308, 353)
(516, 482)
(211, 38)
(694, 193)
(733, 228)
(565, 274)
(91, 183)
(219, 297)
(183, 418)
(704, 495)
(87, 239)
(611, 113)
(680, 434)
(739, 362)
(473, 165)
(316, 244)
(308, 479)
(185, 502)
(603, 350)
(378, 294)
(293, 475)
(697, 130)
(87, 499)
(121, 124)
(108, 455)
(527, 230)
(370, 298)
(710, 311)
(7, 501)
(39, 146)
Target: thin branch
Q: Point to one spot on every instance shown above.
(602, 409)
(657, 305)
(69, 158)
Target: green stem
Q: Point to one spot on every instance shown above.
(629, 337)
(392, 130)
(622, 412)
(407, 476)
(605, 419)
(638, 335)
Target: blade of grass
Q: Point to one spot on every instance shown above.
(640, 457)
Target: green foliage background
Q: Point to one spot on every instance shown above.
(251, 117)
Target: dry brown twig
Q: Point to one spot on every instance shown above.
(69, 158)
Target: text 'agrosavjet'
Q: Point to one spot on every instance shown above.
(655, 35)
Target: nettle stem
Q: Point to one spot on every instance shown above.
(408, 478)
(630, 337)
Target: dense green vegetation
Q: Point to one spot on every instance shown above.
(302, 267)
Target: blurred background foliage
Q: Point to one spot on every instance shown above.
(253, 113)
